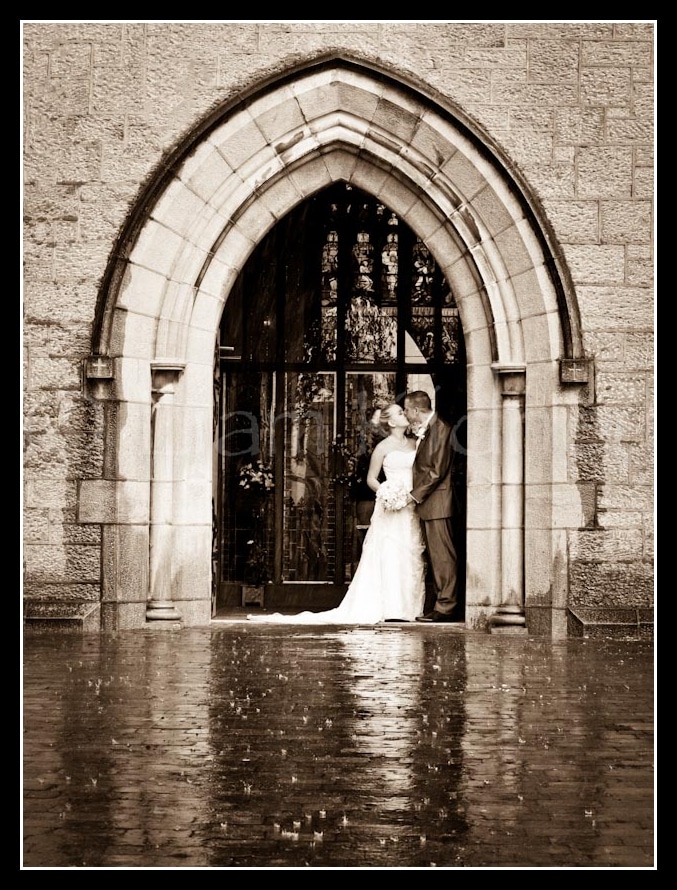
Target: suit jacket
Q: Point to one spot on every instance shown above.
(433, 486)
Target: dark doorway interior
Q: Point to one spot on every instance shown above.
(339, 310)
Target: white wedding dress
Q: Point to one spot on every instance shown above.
(389, 582)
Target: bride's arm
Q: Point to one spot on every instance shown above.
(375, 465)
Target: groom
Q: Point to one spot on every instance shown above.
(432, 492)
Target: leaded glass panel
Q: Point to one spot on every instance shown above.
(423, 274)
(309, 522)
(451, 331)
(422, 327)
(246, 448)
(371, 320)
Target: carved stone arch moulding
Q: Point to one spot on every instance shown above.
(240, 172)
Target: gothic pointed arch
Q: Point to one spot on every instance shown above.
(189, 236)
(411, 134)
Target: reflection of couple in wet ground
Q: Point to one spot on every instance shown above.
(412, 517)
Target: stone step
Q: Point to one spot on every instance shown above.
(604, 623)
(62, 615)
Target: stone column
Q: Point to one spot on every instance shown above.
(164, 378)
(509, 616)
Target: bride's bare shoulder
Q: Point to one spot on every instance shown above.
(385, 446)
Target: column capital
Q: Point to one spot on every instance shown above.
(165, 375)
(512, 377)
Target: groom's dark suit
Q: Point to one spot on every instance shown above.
(433, 492)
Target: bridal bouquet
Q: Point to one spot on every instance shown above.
(393, 495)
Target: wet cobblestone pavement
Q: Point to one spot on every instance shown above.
(399, 746)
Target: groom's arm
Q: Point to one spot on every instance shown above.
(434, 461)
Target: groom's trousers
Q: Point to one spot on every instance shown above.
(443, 563)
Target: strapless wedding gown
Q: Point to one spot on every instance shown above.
(389, 582)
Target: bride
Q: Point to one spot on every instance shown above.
(389, 582)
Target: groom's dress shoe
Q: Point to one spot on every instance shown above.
(435, 617)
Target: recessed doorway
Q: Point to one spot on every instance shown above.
(340, 310)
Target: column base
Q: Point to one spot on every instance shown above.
(508, 619)
(162, 611)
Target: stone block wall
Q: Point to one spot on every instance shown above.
(570, 104)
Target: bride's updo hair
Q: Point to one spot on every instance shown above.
(382, 416)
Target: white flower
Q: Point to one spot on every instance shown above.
(257, 476)
(393, 495)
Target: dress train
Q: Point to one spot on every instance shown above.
(389, 582)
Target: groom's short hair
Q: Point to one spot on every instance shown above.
(419, 399)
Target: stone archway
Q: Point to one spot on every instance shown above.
(168, 286)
